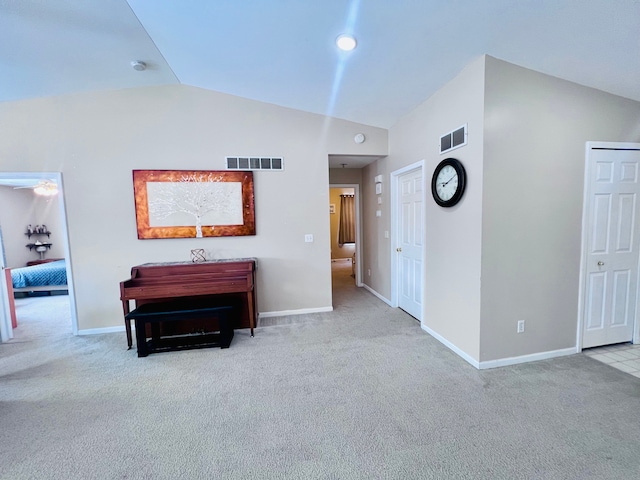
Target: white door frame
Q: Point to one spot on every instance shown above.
(584, 241)
(57, 176)
(6, 329)
(394, 184)
(356, 197)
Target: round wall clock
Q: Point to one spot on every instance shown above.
(448, 182)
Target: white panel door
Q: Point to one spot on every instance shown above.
(410, 242)
(611, 282)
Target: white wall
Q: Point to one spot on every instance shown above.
(510, 249)
(21, 207)
(97, 139)
(345, 175)
(517, 229)
(452, 235)
(536, 127)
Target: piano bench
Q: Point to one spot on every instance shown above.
(154, 314)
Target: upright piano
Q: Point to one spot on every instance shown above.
(229, 282)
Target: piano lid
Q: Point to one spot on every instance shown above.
(219, 260)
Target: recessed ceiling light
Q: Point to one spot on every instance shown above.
(346, 42)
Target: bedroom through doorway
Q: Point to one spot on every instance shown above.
(37, 287)
(344, 225)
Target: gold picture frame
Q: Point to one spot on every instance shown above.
(193, 203)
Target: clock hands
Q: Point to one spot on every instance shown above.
(445, 183)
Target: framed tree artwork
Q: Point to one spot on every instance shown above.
(193, 203)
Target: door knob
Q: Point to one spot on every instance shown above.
(398, 249)
(600, 263)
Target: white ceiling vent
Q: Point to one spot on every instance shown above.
(455, 139)
(255, 163)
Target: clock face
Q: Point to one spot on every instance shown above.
(448, 182)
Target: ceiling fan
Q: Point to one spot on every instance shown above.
(43, 187)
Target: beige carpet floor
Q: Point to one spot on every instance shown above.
(358, 393)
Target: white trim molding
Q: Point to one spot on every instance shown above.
(501, 362)
(99, 331)
(394, 187)
(371, 290)
(120, 328)
(301, 311)
(533, 357)
(465, 356)
(582, 285)
(358, 208)
(64, 240)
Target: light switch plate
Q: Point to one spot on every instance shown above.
(308, 238)
(378, 213)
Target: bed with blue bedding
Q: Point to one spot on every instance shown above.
(43, 277)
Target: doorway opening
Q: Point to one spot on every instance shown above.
(35, 234)
(344, 219)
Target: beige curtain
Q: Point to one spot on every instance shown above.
(347, 228)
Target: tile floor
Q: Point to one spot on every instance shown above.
(624, 356)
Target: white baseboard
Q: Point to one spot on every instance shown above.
(501, 362)
(451, 346)
(120, 328)
(97, 331)
(368, 288)
(301, 311)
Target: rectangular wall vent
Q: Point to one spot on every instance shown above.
(455, 139)
(254, 163)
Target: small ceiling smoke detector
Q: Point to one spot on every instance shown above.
(139, 65)
(346, 42)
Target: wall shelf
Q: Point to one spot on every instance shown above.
(48, 234)
(31, 246)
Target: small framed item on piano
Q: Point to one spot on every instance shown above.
(193, 203)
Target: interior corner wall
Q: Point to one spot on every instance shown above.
(96, 139)
(452, 236)
(536, 127)
(19, 208)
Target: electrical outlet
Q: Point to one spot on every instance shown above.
(308, 238)
(368, 271)
(520, 328)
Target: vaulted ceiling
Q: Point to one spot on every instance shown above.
(283, 51)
